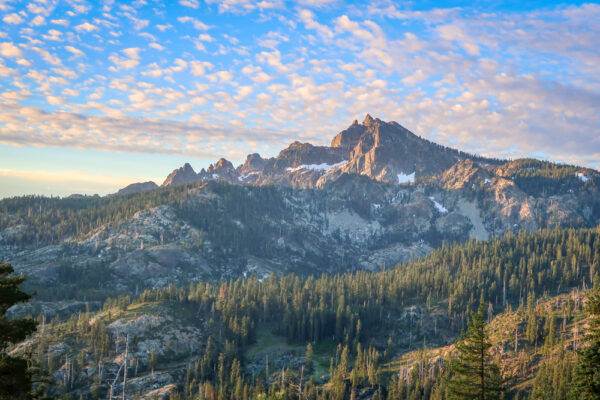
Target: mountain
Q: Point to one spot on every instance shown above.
(373, 250)
(185, 174)
(377, 196)
(383, 151)
(138, 187)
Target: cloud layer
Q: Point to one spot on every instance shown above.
(230, 77)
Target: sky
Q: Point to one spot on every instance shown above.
(95, 95)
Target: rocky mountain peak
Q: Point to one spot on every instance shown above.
(221, 164)
(368, 120)
(185, 174)
(222, 169)
(254, 163)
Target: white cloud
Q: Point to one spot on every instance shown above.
(415, 77)
(53, 100)
(53, 34)
(199, 67)
(132, 52)
(196, 23)
(309, 20)
(156, 46)
(70, 92)
(8, 49)
(62, 22)
(245, 6)
(14, 19)
(86, 27)
(38, 21)
(75, 51)
(189, 3)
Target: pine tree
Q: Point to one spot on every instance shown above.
(586, 380)
(15, 376)
(472, 374)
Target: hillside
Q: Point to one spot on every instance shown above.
(379, 319)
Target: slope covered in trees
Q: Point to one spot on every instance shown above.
(360, 325)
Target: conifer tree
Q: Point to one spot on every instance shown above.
(586, 380)
(15, 377)
(472, 374)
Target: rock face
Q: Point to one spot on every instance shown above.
(388, 152)
(383, 151)
(254, 163)
(222, 169)
(249, 171)
(185, 174)
(138, 187)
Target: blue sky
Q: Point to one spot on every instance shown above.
(94, 95)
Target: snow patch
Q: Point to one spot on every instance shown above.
(582, 176)
(317, 167)
(438, 206)
(406, 178)
(486, 181)
(243, 177)
(215, 176)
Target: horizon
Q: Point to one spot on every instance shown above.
(96, 97)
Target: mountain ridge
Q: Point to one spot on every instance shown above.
(384, 151)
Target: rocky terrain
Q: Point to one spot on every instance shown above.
(377, 196)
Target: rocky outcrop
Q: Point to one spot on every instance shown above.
(138, 187)
(464, 174)
(222, 169)
(185, 174)
(254, 163)
(301, 165)
(349, 137)
(388, 152)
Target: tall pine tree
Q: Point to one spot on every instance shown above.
(472, 374)
(15, 377)
(586, 381)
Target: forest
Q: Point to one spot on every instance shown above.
(389, 334)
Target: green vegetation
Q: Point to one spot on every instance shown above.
(15, 374)
(544, 178)
(378, 335)
(472, 375)
(586, 381)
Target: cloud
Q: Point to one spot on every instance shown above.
(75, 51)
(199, 67)
(309, 19)
(195, 23)
(415, 77)
(13, 19)
(156, 46)
(86, 27)
(53, 100)
(456, 34)
(8, 49)
(131, 60)
(38, 21)
(30, 126)
(245, 6)
(62, 22)
(190, 3)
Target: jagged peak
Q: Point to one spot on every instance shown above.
(368, 120)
